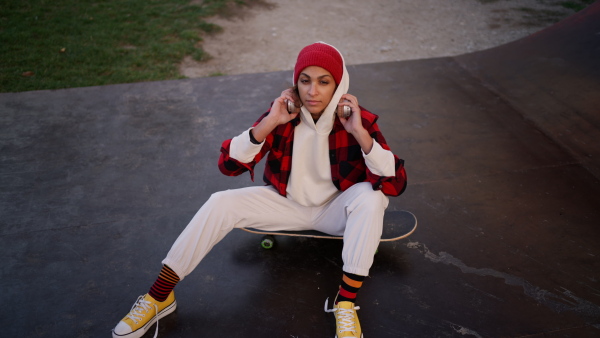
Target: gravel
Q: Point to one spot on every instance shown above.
(267, 36)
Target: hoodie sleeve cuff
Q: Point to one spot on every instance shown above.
(380, 161)
(243, 149)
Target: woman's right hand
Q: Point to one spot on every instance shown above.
(277, 115)
(279, 108)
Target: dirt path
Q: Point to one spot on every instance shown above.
(268, 35)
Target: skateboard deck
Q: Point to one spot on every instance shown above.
(396, 225)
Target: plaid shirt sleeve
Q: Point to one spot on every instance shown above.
(278, 145)
(232, 167)
(348, 165)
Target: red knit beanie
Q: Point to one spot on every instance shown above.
(322, 55)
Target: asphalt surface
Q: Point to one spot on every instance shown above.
(503, 163)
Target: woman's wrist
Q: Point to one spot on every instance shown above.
(252, 139)
(364, 139)
(264, 128)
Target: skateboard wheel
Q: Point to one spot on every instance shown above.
(267, 242)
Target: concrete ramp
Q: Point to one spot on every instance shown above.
(502, 157)
(553, 79)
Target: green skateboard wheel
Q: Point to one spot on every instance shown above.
(267, 242)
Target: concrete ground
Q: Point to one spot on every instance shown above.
(503, 162)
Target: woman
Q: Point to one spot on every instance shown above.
(337, 182)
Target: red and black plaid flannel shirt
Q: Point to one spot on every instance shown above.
(347, 163)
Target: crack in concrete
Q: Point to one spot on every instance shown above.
(561, 302)
(464, 331)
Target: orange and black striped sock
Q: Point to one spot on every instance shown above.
(351, 283)
(164, 284)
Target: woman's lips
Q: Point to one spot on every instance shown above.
(312, 102)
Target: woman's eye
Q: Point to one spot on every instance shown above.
(325, 83)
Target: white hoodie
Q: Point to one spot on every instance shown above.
(310, 181)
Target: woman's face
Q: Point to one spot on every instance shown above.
(316, 87)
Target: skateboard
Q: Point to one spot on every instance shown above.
(396, 225)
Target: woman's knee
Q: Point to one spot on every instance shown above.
(225, 197)
(369, 198)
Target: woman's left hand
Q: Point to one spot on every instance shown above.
(353, 123)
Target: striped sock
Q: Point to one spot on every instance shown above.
(164, 284)
(349, 288)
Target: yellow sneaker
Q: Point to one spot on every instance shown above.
(346, 320)
(145, 312)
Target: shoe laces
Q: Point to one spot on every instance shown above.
(344, 317)
(137, 315)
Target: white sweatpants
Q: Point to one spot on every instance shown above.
(356, 213)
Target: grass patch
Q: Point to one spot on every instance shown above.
(52, 44)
